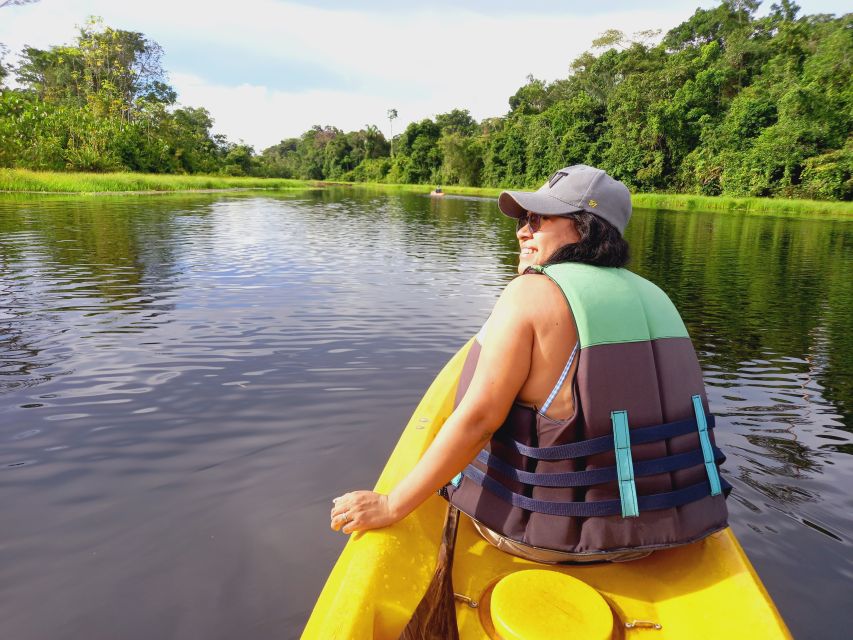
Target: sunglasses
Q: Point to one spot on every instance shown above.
(533, 220)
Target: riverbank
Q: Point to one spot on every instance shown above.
(26, 181)
(674, 201)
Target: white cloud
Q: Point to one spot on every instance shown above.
(421, 64)
(262, 116)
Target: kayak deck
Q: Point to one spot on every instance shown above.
(707, 589)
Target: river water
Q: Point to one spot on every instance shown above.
(187, 381)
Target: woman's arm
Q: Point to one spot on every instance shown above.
(502, 369)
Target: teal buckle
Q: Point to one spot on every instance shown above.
(707, 451)
(624, 464)
(457, 480)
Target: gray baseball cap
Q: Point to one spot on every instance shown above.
(570, 190)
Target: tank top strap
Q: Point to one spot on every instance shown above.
(561, 380)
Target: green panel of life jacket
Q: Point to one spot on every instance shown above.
(615, 305)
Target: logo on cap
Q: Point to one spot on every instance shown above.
(593, 204)
(555, 178)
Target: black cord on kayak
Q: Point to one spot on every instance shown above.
(435, 615)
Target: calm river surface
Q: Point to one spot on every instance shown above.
(186, 382)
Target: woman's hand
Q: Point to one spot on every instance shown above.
(362, 511)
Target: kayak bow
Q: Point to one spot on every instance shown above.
(707, 589)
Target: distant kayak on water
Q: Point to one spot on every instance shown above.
(706, 589)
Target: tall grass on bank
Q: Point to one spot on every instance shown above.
(676, 202)
(24, 180)
(686, 202)
(18, 180)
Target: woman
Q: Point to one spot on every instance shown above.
(547, 471)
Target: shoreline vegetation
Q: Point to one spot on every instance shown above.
(730, 105)
(24, 181)
(117, 183)
(669, 201)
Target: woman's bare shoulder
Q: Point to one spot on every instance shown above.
(532, 294)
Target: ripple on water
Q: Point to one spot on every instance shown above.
(147, 342)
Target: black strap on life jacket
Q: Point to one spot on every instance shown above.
(592, 446)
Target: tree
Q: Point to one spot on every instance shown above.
(375, 144)
(108, 70)
(239, 160)
(530, 98)
(4, 71)
(392, 114)
(419, 145)
(280, 160)
(193, 148)
(612, 38)
(786, 10)
(595, 76)
(706, 25)
(457, 121)
(462, 159)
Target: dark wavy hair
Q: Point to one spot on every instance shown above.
(600, 243)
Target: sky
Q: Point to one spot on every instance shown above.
(270, 69)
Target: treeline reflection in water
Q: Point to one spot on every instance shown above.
(187, 381)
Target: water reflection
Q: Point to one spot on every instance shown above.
(180, 374)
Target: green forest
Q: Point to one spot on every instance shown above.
(726, 103)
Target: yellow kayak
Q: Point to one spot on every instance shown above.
(707, 589)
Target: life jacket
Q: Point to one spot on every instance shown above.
(635, 467)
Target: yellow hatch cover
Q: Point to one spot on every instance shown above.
(537, 603)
